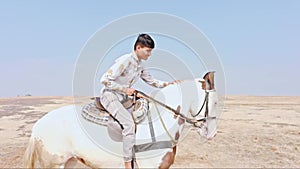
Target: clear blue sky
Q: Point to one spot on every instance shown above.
(257, 41)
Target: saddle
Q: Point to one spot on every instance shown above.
(126, 103)
(96, 113)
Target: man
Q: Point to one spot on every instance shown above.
(118, 81)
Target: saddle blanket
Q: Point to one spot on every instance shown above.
(94, 114)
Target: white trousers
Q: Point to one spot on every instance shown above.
(113, 105)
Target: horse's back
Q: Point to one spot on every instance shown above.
(61, 117)
(53, 128)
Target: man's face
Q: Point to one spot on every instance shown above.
(143, 53)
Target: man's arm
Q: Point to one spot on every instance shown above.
(109, 78)
(147, 77)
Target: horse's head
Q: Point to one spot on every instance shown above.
(204, 111)
(207, 81)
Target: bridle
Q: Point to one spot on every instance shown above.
(205, 102)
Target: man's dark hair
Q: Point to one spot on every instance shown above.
(144, 40)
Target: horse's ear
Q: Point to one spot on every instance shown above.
(209, 79)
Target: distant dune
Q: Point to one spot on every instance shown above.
(253, 132)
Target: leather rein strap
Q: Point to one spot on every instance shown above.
(189, 120)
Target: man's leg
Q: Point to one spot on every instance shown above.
(113, 105)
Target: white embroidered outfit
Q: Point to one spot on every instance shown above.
(123, 74)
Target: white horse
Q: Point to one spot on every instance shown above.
(63, 137)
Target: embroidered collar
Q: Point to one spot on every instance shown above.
(134, 56)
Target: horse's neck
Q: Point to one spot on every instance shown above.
(182, 95)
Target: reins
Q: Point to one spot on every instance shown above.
(189, 120)
(164, 125)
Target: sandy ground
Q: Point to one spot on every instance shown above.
(253, 132)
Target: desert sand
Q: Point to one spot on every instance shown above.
(253, 132)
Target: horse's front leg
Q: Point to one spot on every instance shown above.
(168, 159)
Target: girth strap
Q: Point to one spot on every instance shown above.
(150, 123)
(153, 146)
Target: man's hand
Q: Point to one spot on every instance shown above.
(175, 82)
(129, 91)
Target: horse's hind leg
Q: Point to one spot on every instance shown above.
(71, 163)
(49, 160)
(75, 162)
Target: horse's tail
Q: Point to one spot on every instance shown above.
(30, 155)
